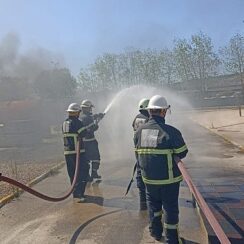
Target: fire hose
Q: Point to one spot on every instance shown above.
(204, 206)
(200, 200)
(41, 195)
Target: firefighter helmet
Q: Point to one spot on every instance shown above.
(143, 103)
(86, 104)
(73, 107)
(158, 102)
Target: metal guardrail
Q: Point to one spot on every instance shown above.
(204, 206)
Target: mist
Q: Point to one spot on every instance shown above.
(115, 135)
(25, 117)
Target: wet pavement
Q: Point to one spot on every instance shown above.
(216, 167)
(107, 216)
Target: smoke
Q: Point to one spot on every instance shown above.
(25, 65)
(9, 48)
(26, 119)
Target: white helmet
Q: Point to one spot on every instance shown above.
(143, 103)
(158, 102)
(86, 104)
(73, 107)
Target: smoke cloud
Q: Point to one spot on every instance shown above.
(28, 64)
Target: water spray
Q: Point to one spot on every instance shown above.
(117, 96)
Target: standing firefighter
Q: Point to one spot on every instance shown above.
(139, 120)
(73, 129)
(91, 145)
(158, 146)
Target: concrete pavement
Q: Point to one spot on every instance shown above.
(107, 217)
(215, 166)
(218, 169)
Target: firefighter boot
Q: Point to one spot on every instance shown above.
(172, 236)
(89, 178)
(82, 190)
(95, 166)
(95, 175)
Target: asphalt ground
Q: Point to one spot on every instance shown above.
(107, 216)
(218, 168)
(215, 165)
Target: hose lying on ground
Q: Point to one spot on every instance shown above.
(43, 196)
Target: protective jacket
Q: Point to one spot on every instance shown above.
(91, 144)
(72, 129)
(140, 119)
(157, 144)
(90, 123)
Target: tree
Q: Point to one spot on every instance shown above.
(205, 60)
(55, 83)
(14, 88)
(196, 59)
(167, 66)
(183, 59)
(233, 57)
(85, 80)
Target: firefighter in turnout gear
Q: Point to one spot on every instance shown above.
(73, 129)
(91, 144)
(139, 120)
(159, 147)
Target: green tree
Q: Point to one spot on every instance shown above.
(167, 66)
(196, 59)
(233, 57)
(183, 59)
(205, 61)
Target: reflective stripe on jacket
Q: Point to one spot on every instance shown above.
(72, 128)
(156, 145)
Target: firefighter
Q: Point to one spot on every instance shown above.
(139, 120)
(91, 144)
(73, 129)
(158, 148)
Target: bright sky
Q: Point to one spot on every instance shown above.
(83, 29)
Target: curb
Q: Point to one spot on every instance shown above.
(19, 191)
(226, 139)
(241, 148)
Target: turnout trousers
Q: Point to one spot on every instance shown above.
(141, 187)
(80, 185)
(159, 198)
(92, 153)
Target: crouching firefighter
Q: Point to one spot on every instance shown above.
(139, 120)
(91, 145)
(157, 147)
(73, 129)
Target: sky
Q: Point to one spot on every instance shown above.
(81, 30)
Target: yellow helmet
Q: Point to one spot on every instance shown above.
(143, 104)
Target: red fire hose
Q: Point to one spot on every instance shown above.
(204, 207)
(40, 195)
